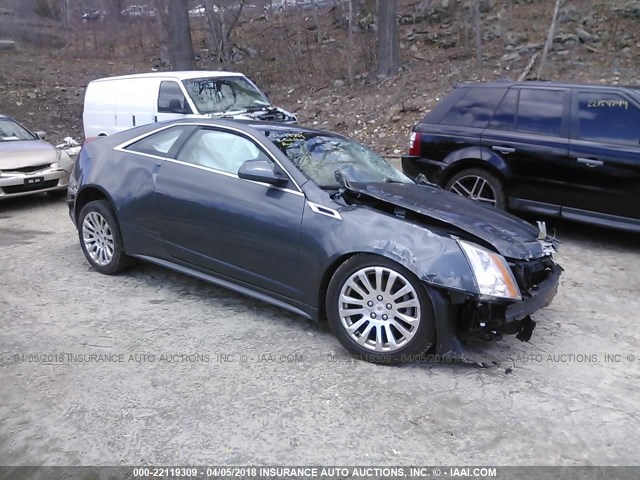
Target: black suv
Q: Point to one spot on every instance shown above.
(570, 151)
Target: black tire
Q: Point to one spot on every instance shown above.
(118, 261)
(492, 181)
(423, 334)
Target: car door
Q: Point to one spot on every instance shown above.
(172, 104)
(211, 218)
(529, 131)
(604, 178)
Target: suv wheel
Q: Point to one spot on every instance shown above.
(100, 238)
(478, 184)
(379, 310)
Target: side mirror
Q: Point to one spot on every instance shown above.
(41, 135)
(261, 171)
(175, 106)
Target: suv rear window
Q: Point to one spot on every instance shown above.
(475, 108)
(540, 111)
(505, 116)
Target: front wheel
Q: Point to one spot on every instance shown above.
(379, 310)
(480, 185)
(100, 238)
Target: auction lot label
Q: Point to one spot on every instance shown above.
(253, 472)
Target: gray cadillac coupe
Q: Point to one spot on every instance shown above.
(316, 224)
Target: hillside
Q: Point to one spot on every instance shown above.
(42, 82)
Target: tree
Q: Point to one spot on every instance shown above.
(222, 18)
(388, 38)
(351, 60)
(476, 16)
(549, 42)
(180, 44)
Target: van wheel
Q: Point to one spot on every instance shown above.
(100, 238)
(480, 185)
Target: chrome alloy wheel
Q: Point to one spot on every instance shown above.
(475, 188)
(379, 309)
(98, 238)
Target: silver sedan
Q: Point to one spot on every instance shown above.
(28, 164)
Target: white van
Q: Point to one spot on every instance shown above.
(114, 104)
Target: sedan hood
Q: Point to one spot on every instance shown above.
(511, 237)
(26, 153)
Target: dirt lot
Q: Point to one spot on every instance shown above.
(286, 392)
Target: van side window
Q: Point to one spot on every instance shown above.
(222, 151)
(540, 111)
(505, 116)
(159, 143)
(475, 109)
(171, 98)
(608, 118)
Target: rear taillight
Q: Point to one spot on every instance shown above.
(414, 147)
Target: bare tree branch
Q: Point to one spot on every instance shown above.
(549, 42)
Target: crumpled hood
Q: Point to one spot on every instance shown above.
(26, 153)
(510, 236)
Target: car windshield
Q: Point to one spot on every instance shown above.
(319, 156)
(224, 94)
(10, 131)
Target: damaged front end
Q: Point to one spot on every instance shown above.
(485, 270)
(462, 318)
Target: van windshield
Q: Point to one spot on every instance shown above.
(225, 94)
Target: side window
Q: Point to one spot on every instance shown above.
(158, 143)
(505, 116)
(540, 111)
(475, 108)
(608, 118)
(220, 150)
(171, 98)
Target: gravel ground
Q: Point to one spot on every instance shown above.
(265, 387)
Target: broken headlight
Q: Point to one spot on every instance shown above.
(493, 275)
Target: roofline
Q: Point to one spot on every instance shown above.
(180, 75)
(507, 83)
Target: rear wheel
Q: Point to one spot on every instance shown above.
(379, 310)
(480, 185)
(100, 238)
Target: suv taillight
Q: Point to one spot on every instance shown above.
(414, 148)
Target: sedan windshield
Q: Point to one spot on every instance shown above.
(10, 131)
(319, 156)
(224, 94)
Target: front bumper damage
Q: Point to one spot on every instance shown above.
(462, 320)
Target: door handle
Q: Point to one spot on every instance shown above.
(505, 150)
(591, 163)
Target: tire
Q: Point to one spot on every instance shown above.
(100, 238)
(469, 183)
(380, 319)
